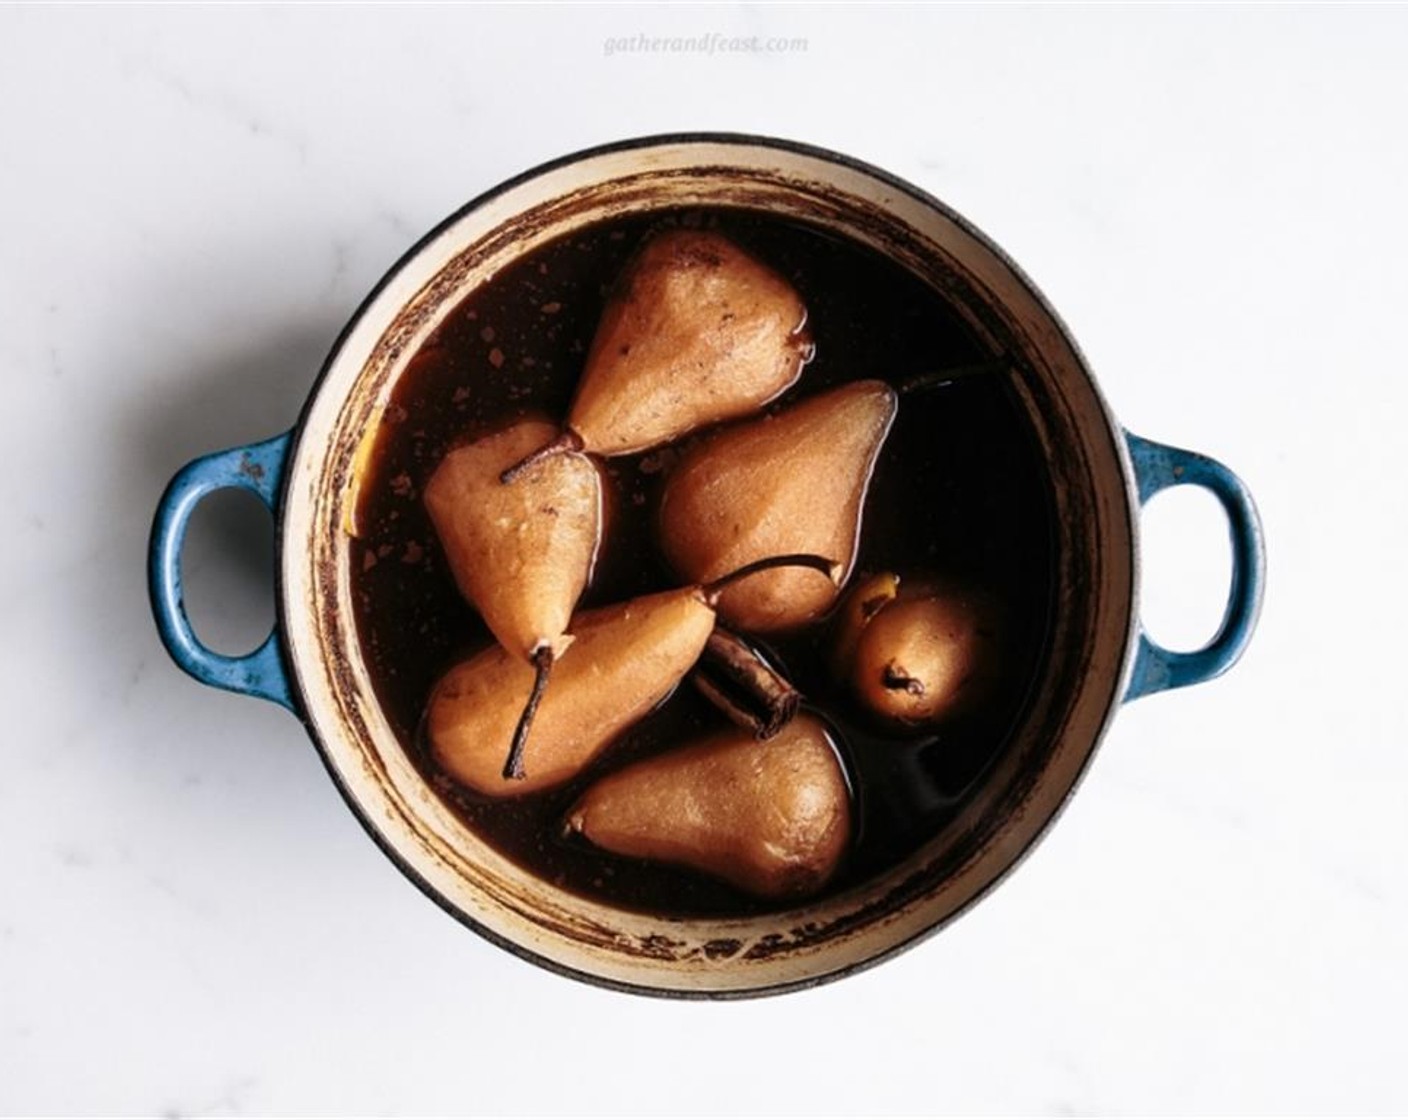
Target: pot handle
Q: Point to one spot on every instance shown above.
(1157, 467)
(258, 467)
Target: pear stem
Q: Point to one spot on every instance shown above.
(828, 568)
(513, 764)
(567, 441)
(938, 378)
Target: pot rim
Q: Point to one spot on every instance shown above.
(1113, 433)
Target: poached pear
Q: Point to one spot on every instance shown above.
(697, 331)
(520, 554)
(793, 482)
(624, 660)
(916, 652)
(770, 818)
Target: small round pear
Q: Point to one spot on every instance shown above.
(914, 653)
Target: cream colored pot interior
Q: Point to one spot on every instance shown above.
(1024, 790)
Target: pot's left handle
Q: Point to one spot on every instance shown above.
(258, 467)
(1157, 467)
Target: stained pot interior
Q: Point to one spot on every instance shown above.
(1021, 793)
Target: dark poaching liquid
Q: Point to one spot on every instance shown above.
(959, 490)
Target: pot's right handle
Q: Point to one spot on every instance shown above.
(1157, 467)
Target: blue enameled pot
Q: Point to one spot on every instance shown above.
(1100, 475)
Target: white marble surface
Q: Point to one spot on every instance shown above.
(191, 923)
